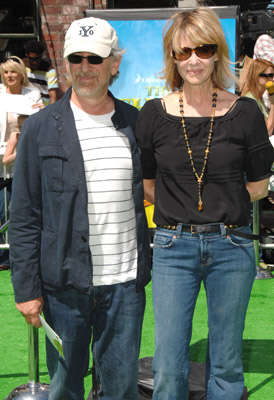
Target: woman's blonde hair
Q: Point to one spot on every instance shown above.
(200, 26)
(14, 63)
(257, 67)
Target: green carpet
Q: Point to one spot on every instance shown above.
(258, 349)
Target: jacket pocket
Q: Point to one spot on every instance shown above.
(52, 163)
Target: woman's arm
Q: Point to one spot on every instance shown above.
(270, 120)
(149, 188)
(10, 152)
(257, 190)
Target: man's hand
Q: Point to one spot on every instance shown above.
(31, 311)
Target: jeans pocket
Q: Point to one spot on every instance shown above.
(239, 241)
(162, 240)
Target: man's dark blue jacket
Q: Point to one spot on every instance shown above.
(49, 227)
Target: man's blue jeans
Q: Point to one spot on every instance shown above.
(113, 316)
(226, 265)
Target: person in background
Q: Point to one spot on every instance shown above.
(14, 82)
(78, 228)
(40, 72)
(197, 145)
(10, 152)
(260, 72)
(264, 49)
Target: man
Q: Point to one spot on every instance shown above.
(40, 72)
(78, 233)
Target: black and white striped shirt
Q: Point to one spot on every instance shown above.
(108, 168)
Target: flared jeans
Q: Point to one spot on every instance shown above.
(226, 266)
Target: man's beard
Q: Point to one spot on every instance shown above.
(93, 90)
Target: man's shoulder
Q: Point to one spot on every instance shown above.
(45, 65)
(61, 106)
(125, 108)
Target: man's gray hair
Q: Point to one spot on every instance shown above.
(115, 54)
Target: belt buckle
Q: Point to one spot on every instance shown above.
(192, 231)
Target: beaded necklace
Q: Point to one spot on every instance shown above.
(199, 178)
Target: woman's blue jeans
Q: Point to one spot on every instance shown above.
(113, 316)
(226, 265)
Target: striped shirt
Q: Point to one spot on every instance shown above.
(112, 223)
(43, 81)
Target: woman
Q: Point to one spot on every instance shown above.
(197, 144)
(10, 152)
(14, 81)
(260, 72)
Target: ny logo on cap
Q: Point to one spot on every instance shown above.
(86, 31)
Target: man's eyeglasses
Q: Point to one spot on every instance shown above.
(268, 76)
(77, 59)
(204, 51)
(34, 58)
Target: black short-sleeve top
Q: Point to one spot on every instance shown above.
(240, 150)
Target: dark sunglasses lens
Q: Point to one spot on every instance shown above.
(184, 54)
(95, 59)
(271, 75)
(34, 58)
(77, 59)
(205, 51)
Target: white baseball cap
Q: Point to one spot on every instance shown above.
(93, 35)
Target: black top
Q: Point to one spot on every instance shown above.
(240, 147)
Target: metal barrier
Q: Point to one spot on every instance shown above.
(257, 244)
(33, 389)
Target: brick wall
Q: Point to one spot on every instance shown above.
(56, 17)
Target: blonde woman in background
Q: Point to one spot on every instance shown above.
(14, 82)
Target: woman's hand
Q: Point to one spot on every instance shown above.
(257, 190)
(38, 105)
(271, 98)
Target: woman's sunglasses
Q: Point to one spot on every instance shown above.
(204, 51)
(271, 75)
(77, 59)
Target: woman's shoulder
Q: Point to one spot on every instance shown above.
(245, 109)
(150, 107)
(233, 102)
(151, 103)
(225, 100)
(2, 88)
(29, 89)
(32, 93)
(248, 102)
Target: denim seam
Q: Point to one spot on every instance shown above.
(97, 368)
